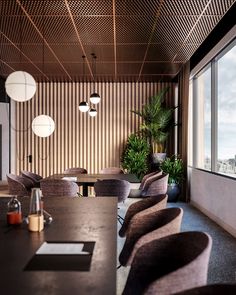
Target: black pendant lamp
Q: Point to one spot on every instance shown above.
(83, 106)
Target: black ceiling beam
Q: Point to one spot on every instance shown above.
(221, 29)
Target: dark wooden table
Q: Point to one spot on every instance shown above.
(74, 219)
(87, 180)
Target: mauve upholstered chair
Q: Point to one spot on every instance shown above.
(217, 289)
(169, 265)
(75, 170)
(35, 178)
(146, 176)
(155, 187)
(147, 226)
(149, 178)
(114, 188)
(111, 170)
(19, 185)
(156, 203)
(58, 188)
(146, 181)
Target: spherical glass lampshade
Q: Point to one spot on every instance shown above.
(83, 106)
(95, 98)
(43, 126)
(92, 112)
(20, 86)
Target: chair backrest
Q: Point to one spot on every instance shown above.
(32, 176)
(112, 187)
(170, 264)
(216, 289)
(75, 170)
(155, 187)
(111, 170)
(149, 225)
(157, 203)
(149, 176)
(58, 188)
(19, 185)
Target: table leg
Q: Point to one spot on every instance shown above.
(85, 190)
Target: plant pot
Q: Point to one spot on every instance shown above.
(173, 192)
(157, 158)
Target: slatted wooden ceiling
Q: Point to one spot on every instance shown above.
(134, 40)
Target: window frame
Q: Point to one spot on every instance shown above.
(213, 64)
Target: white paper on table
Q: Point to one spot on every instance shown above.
(61, 249)
(70, 178)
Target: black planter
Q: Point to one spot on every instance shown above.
(173, 192)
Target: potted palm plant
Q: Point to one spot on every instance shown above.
(157, 121)
(135, 156)
(175, 168)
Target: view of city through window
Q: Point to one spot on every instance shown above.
(226, 160)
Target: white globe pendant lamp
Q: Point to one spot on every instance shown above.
(83, 107)
(92, 112)
(43, 126)
(20, 86)
(95, 98)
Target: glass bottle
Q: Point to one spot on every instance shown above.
(35, 217)
(36, 205)
(14, 214)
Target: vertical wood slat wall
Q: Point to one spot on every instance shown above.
(80, 140)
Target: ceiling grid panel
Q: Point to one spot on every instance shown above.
(40, 33)
(134, 40)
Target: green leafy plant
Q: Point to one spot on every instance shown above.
(175, 168)
(135, 155)
(157, 120)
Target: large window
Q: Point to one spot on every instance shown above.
(214, 114)
(227, 112)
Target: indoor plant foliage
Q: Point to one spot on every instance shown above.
(157, 120)
(135, 155)
(175, 168)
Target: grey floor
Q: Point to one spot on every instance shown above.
(222, 266)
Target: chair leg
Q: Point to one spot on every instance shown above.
(120, 219)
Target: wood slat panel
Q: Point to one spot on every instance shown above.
(80, 140)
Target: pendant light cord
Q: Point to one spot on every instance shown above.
(95, 69)
(43, 39)
(20, 39)
(1, 46)
(83, 56)
(93, 55)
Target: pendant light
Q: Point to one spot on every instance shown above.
(94, 97)
(43, 125)
(20, 85)
(93, 112)
(83, 106)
